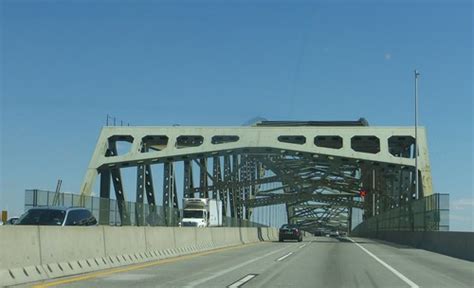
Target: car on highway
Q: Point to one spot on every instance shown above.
(290, 232)
(12, 220)
(57, 216)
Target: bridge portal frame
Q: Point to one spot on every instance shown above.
(166, 145)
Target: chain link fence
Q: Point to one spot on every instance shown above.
(430, 213)
(107, 211)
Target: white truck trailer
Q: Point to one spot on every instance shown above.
(201, 212)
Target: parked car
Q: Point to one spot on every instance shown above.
(334, 234)
(290, 232)
(57, 216)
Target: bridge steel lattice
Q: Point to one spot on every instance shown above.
(316, 170)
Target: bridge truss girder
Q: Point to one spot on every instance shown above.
(319, 186)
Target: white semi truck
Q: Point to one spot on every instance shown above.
(201, 212)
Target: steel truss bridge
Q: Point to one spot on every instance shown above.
(316, 169)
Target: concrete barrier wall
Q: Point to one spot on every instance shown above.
(454, 244)
(273, 233)
(249, 235)
(32, 253)
(123, 240)
(204, 238)
(265, 234)
(20, 256)
(243, 235)
(218, 237)
(185, 236)
(159, 238)
(20, 246)
(253, 235)
(73, 258)
(91, 243)
(232, 236)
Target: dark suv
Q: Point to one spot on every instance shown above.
(290, 232)
(57, 216)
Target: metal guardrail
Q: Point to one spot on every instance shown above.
(430, 213)
(107, 212)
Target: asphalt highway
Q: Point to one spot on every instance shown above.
(315, 262)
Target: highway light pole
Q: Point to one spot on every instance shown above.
(417, 195)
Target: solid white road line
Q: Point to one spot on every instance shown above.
(222, 272)
(393, 270)
(302, 246)
(283, 257)
(243, 281)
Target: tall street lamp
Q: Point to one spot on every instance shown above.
(417, 192)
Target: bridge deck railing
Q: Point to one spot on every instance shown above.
(430, 213)
(106, 211)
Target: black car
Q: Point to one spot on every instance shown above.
(57, 217)
(290, 232)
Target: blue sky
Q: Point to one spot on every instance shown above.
(66, 64)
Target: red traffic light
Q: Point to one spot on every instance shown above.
(362, 193)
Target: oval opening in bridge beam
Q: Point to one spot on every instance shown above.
(186, 141)
(365, 144)
(119, 145)
(154, 143)
(402, 146)
(222, 139)
(292, 139)
(328, 141)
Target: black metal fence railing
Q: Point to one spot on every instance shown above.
(107, 211)
(430, 213)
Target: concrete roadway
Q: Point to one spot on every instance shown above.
(315, 262)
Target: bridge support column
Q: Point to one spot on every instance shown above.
(219, 191)
(170, 199)
(140, 191)
(203, 191)
(118, 186)
(237, 195)
(104, 204)
(227, 180)
(188, 179)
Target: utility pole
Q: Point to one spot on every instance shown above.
(417, 192)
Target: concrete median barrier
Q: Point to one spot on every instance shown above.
(124, 241)
(159, 239)
(249, 235)
(72, 257)
(218, 236)
(232, 236)
(273, 234)
(268, 234)
(244, 237)
(20, 255)
(185, 237)
(253, 234)
(32, 253)
(204, 238)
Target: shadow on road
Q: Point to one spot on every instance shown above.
(367, 241)
(345, 240)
